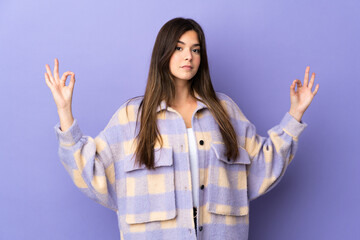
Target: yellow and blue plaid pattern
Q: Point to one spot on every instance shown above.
(157, 204)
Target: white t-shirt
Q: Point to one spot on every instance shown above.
(194, 167)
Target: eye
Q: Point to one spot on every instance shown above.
(197, 50)
(177, 48)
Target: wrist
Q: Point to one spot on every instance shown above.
(64, 110)
(296, 114)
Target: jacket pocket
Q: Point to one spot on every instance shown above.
(150, 194)
(227, 183)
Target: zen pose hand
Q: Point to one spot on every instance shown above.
(62, 94)
(301, 99)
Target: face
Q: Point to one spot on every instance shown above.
(185, 60)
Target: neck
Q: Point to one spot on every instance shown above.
(182, 93)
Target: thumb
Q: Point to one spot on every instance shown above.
(63, 78)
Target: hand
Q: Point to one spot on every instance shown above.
(62, 94)
(301, 99)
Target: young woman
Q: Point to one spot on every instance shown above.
(182, 161)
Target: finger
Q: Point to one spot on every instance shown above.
(311, 83)
(48, 70)
(72, 81)
(56, 69)
(316, 89)
(306, 78)
(63, 78)
(298, 83)
(47, 80)
(292, 88)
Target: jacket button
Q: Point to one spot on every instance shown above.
(201, 142)
(200, 228)
(202, 187)
(228, 159)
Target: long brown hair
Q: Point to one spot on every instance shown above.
(160, 86)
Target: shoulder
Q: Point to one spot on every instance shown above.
(231, 107)
(126, 113)
(224, 97)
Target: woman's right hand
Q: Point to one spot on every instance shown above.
(62, 94)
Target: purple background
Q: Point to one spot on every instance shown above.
(255, 48)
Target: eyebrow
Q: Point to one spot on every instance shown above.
(194, 45)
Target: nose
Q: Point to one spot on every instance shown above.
(188, 55)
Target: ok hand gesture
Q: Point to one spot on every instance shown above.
(62, 94)
(301, 99)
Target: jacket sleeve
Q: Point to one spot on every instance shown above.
(270, 155)
(89, 162)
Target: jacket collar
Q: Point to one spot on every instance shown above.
(163, 104)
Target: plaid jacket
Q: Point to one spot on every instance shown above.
(157, 204)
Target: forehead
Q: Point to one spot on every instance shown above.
(189, 38)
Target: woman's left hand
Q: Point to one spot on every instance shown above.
(301, 99)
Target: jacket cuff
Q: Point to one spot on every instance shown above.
(292, 126)
(71, 136)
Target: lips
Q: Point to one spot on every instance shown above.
(187, 67)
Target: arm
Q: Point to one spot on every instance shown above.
(89, 163)
(271, 156)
